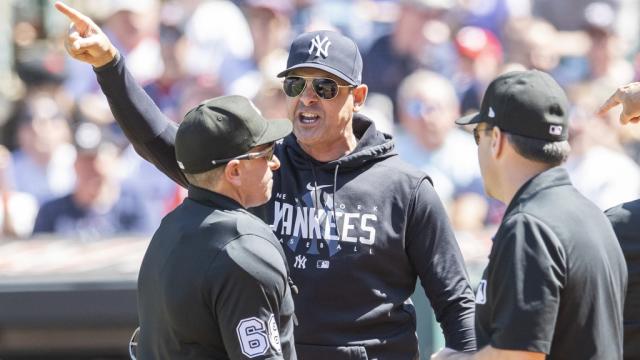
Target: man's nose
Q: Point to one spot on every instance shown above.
(309, 95)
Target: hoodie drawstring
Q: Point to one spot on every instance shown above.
(335, 197)
(335, 201)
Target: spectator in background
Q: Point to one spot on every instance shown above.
(218, 44)
(97, 207)
(17, 209)
(270, 29)
(605, 57)
(566, 15)
(532, 43)
(166, 88)
(489, 15)
(43, 161)
(428, 138)
(597, 165)
(394, 56)
(271, 100)
(480, 58)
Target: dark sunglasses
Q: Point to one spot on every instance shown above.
(325, 88)
(476, 133)
(266, 153)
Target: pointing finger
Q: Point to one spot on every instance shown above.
(612, 102)
(81, 21)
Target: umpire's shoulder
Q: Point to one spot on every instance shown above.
(625, 219)
(624, 213)
(258, 257)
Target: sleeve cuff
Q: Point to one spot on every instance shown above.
(110, 65)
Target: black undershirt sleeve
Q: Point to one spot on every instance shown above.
(434, 253)
(149, 130)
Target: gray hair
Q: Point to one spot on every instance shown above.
(208, 179)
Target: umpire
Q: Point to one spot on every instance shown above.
(214, 281)
(625, 219)
(556, 277)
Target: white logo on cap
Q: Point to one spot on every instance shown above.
(555, 129)
(180, 165)
(491, 114)
(321, 46)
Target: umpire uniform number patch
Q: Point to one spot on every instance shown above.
(252, 334)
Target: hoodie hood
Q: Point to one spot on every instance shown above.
(372, 146)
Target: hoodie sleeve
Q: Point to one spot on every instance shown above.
(434, 253)
(151, 133)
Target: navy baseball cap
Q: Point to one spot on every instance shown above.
(329, 51)
(527, 103)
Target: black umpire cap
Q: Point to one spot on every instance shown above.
(223, 128)
(526, 103)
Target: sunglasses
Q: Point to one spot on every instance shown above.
(476, 133)
(266, 153)
(325, 88)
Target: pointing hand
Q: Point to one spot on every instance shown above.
(629, 96)
(86, 41)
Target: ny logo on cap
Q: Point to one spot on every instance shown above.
(491, 114)
(555, 129)
(321, 46)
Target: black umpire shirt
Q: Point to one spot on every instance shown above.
(213, 285)
(625, 219)
(556, 277)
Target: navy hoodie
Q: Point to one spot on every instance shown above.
(357, 232)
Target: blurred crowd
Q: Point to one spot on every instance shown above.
(66, 168)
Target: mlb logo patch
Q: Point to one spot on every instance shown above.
(322, 264)
(555, 129)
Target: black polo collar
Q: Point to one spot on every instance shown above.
(553, 177)
(213, 199)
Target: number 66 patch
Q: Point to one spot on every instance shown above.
(255, 338)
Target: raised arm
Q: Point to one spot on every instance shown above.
(151, 133)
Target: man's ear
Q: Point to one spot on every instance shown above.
(232, 173)
(497, 142)
(359, 96)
